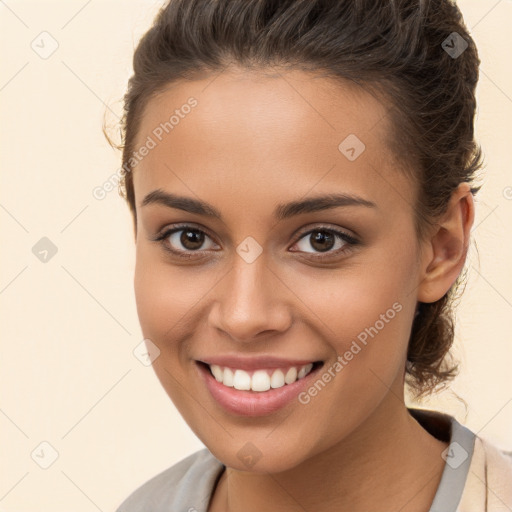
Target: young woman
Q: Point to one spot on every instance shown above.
(301, 179)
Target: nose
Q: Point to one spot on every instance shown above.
(250, 302)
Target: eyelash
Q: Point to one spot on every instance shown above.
(350, 242)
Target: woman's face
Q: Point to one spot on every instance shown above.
(269, 279)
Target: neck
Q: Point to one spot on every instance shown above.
(390, 462)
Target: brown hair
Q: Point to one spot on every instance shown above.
(394, 49)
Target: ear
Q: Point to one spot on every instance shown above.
(445, 253)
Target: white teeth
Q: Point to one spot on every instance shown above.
(227, 378)
(291, 375)
(217, 372)
(277, 379)
(261, 380)
(242, 380)
(304, 371)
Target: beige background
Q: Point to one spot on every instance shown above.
(69, 326)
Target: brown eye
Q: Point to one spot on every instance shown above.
(322, 240)
(191, 239)
(185, 240)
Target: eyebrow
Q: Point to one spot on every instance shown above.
(281, 212)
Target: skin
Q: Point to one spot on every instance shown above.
(253, 141)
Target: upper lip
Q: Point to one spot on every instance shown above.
(254, 362)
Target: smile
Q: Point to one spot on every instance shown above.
(258, 391)
(259, 380)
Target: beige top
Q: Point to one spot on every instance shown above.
(489, 482)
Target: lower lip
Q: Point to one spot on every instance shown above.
(254, 403)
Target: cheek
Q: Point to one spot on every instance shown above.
(168, 297)
(159, 295)
(366, 326)
(365, 313)
(347, 302)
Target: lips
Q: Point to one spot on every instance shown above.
(248, 402)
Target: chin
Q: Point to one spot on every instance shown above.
(256, 458)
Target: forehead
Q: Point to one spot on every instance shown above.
(251, 137)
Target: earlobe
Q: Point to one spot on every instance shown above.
(448, 246)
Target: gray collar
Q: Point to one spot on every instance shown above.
(457, 456)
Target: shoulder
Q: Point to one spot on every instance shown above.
(498, 461)
(186, 485)
(489, 482)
